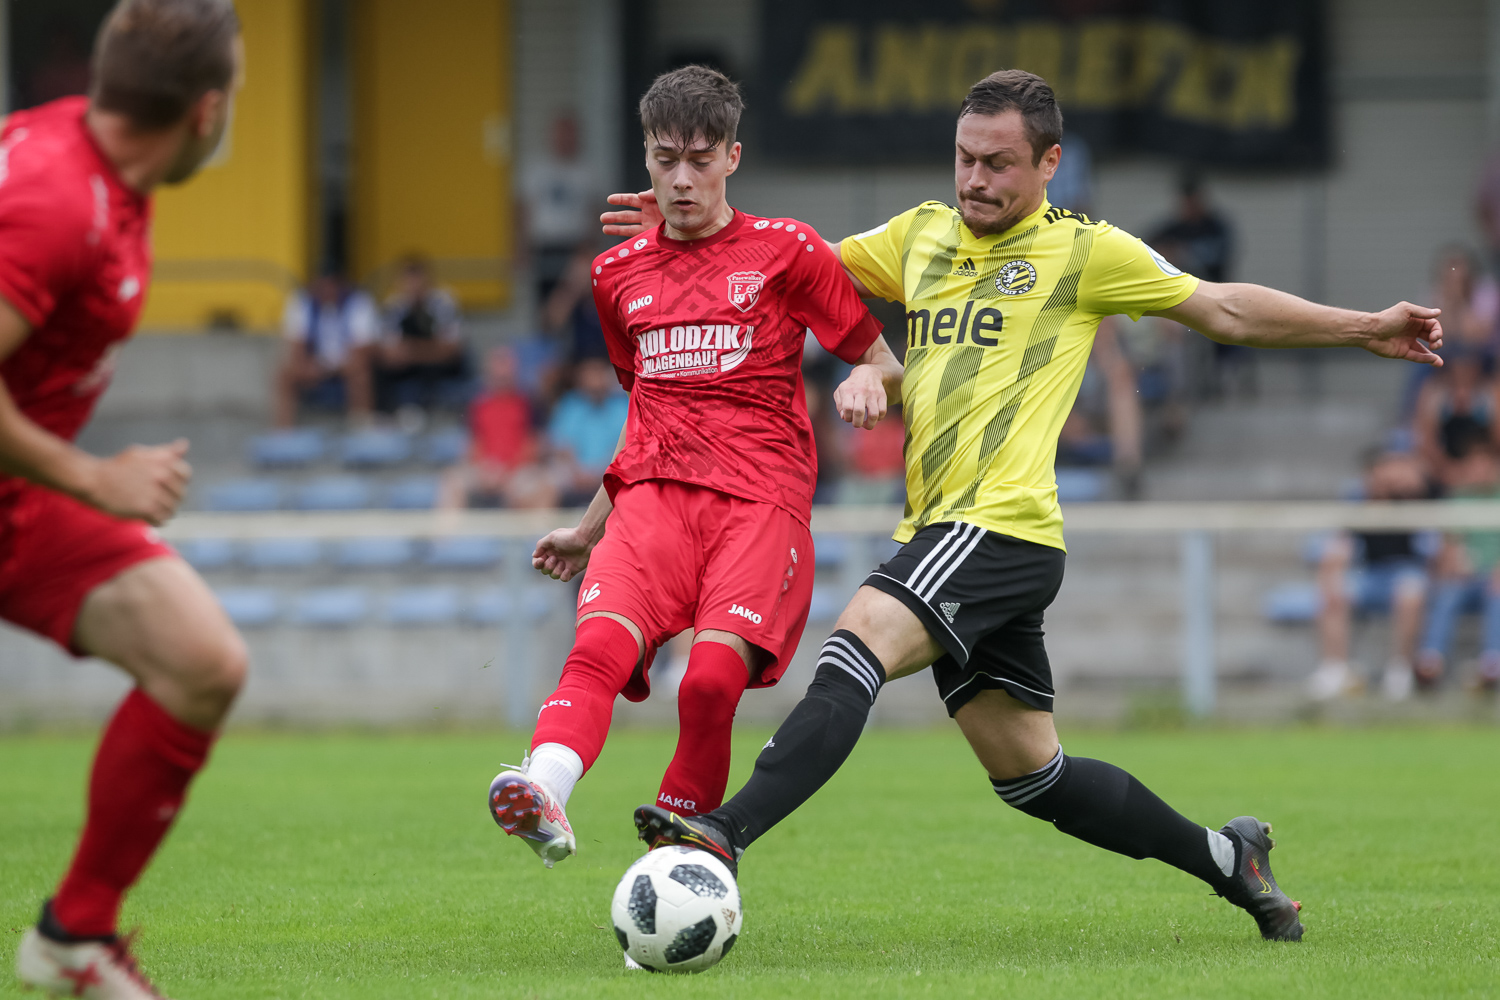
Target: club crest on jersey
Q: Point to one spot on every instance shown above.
(744, 288)
(1015, 277)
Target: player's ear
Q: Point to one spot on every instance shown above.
(207, 112)
(1050, 159)
(734, 159)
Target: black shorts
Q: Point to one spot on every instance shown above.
(981, 595)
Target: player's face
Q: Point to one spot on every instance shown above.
(997, 181)
(688, 179)
(207, 124)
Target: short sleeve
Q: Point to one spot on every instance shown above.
(821, 297)
(616, 340)
(874, 257)
(1124, 275)
(294, 317)
(446, 315)
(42, 249)
(364, 320)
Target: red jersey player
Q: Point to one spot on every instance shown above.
(77, 563)
(710, 492)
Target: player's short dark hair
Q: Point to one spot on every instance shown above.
(154, 58)
(693, 102)
(1018, 90)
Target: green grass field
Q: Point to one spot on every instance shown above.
(366, 866)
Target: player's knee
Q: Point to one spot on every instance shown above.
(704, 689)
(213, 667)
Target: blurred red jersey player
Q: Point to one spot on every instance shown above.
(702, 521)
(79, 563)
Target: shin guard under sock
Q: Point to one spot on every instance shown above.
(706, 702)
(578, 713)
(141, 773)
(1107, 807)
(811, 744)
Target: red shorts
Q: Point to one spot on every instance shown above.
(54, 551)
(677, 557)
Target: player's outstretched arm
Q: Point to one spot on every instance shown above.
(139, 483)
(873, 385)
(1256, 316)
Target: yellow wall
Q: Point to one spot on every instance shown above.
(234, 239)
(432, 149)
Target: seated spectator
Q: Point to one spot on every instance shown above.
(585, 429)
(421, 353)
(1468, 577)
(329, 331)
(569, 314)
(502, 469)
(877, 465)
(1371, 572)
(1455, 409)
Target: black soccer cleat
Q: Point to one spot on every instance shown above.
(1252, 886)
(658, 827)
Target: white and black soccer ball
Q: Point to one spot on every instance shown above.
(677, 910)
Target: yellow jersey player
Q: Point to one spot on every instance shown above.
(1004, 294)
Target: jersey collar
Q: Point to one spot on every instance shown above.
(730, 228)
(1019, 227)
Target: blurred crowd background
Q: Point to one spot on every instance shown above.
(378, 296)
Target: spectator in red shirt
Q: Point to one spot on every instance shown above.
(503, 468)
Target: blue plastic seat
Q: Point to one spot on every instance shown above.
(249, 606)
(373, 553)
(287, 449)
(421, 606)
(206, 553)
(832, 550)
(490, 606)
(333, 493)
(1080, 485)
(331, 607)
(445, 447)
(243, 495)
(464, 552)
(1292, 603)
(825, 606)
(413, 493)
(282, 553)
(375, 448)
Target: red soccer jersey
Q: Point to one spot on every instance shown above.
(707, 335)
(74, 261)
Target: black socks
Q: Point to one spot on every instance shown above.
(811, 744)
(1107, 807)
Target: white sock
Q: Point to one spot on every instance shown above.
(557, 767)
(1222, 850)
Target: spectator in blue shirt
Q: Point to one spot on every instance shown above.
(585, 429)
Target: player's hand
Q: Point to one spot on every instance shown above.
(562, 554)
(860, 398)
(644, 214)
(1408, 333)
(142, 483)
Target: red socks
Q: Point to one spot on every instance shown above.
(716, 677)
(577, 714)
(141, 773)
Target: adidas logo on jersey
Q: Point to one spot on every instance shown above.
(635, 304)
(949, 610)
(743, 612)
(966, 269)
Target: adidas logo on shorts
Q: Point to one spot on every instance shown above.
(949, 609)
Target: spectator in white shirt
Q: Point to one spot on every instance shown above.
(330, 330)
(557, 192)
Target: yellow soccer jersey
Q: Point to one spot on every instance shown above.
(998, 330)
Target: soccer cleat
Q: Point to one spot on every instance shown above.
(658, 826)
(524, 808)
(1253, 888)
(96, 969)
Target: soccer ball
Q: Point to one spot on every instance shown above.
(677, 910)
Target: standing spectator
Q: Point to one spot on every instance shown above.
(569, 314)
(557, 191)
(1200, 241)
(585, 429)
(502, 469)
(1468, 576)
(422, 344)
(1455, 410)
(329, 331)
(1373, 572)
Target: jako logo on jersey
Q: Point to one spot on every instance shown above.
(705, 349)
(588, 595)
(676, 803)
(966, 269)
(744, 288)
(1015, 277)
(637, 303)
(744, 612)
(130, 288)
(555, 703)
